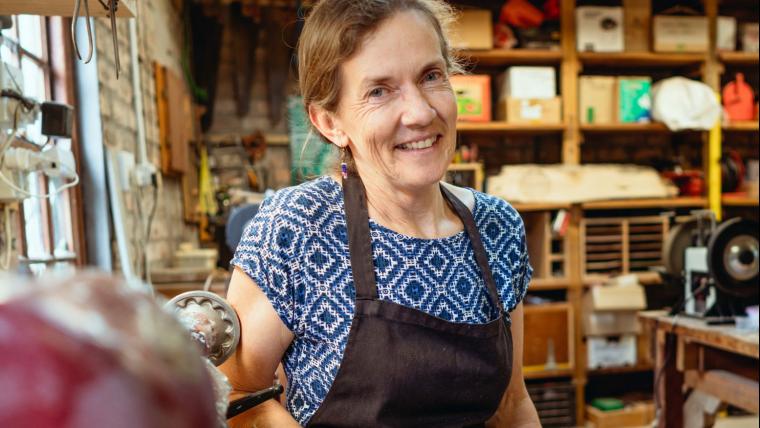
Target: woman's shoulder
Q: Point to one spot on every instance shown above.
(492, 208)
(306, 201)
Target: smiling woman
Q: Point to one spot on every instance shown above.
(357, 283)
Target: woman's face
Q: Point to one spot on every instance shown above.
(396, 106)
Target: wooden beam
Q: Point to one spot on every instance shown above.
(728, 387)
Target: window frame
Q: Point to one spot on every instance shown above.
(56, 62)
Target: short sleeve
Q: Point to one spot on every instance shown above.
(524, 271)
(503, 234)
(268, 254)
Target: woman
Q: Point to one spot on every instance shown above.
(384, 293)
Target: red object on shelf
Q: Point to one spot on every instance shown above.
(739, 99)
(689, 183)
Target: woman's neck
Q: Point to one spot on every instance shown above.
(421, 213)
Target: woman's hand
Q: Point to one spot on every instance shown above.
(263, 340)
(516, 408)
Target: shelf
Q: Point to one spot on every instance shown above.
(742, 126)
(645, 278)
(540, 206)
(620, 370)
(738, 58)
(126, 8)
(537, 284)
(499, 127)
(627, 127)
(639, 59)
(739, 200)
(539, 372)
(502, 57)
(679, 202)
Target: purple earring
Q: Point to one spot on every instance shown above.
(343, 165)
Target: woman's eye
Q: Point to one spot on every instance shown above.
(433, 76)
(377, 92)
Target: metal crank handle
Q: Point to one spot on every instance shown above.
(242, 404)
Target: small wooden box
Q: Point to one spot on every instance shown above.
(635, 415)
(545, 324)
(473, 94)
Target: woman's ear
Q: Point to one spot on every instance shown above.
(328, 125)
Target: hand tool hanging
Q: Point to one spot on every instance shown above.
(111, 6)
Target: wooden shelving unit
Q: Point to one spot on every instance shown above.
(640, 59)
(507, 128)
(571, 133)
(506, 57)
(738, 58)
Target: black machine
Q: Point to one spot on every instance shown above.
(718, 265)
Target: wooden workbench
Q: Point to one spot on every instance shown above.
(173, 281)
(718, 360)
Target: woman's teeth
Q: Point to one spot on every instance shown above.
(417, 145)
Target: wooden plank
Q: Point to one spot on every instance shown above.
(603, 265)
(738, 58)
(603, 229)
(505, 127)
(646, 237)
(645, 254)
(604, 256)
(506, 57)
(641, 246)
(742, 125)
(604, 238)
(728, 387)
(646, 203)
(569, 70)
(126, 9)
(641, 228)
(591, 248)
(640, 59)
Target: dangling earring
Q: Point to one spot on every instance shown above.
(343, 165)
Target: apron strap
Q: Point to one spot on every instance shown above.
(359, 241)
(477, 245)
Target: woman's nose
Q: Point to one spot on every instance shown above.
(417, 109)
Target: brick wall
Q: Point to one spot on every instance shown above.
(160, 39)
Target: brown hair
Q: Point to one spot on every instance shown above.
(335, 28)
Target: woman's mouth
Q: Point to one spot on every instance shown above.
(419, 145)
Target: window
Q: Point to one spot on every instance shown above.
(46, 237)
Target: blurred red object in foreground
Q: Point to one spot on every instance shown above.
(90, 352)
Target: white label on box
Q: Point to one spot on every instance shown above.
(530, 111)
(600, 29)
(529, 83)
(680, 33)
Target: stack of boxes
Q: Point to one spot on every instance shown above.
(610, 322)
(528, 95)
(607, 100)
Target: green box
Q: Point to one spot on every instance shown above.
(634, 99)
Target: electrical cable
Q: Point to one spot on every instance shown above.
(5, 264)
(48, 195)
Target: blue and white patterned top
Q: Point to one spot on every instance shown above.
(296, 250)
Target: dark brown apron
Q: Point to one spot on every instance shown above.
(403, 367)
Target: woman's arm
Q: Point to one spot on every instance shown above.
(263, 340)
(516, 408)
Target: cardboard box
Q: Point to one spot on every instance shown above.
(599, 29)
(750, 37)
(636, 25)
(597, 99)
(680, 34)
(528, 83)
(634, 415)
(725, 37)
(473, 29)
(473, 94)
(634, 99)
(617, 298)
(531, 111)
(617, 351)
(610, 323)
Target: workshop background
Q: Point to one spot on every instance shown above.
(624, 132)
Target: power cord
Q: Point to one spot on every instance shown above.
(5, 264)
(677, 308)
